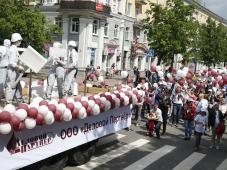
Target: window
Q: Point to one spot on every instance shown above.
(116, 31)
(129, 9)
(145, 36)
(75, 25)
(106, 27)
(127, 33)
(138, 11)
(95, 27)
(114, 6)
(58, 22)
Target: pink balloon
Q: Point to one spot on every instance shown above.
(188, 75)
(209, 73)
(221, 83)
(189, 81)
(174, 70)
(153, 68)
(224, 78)
(170, 79)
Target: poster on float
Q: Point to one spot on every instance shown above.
(19, 149)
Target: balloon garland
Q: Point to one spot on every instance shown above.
(41, 112)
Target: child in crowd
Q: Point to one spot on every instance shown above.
(150, 124)
(200, 126)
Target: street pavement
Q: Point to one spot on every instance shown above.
(133, 150)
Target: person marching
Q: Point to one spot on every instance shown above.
(189, 112)
(4, 62)
(14, 70)
(71, 67)
(200, 126)
(56, 71)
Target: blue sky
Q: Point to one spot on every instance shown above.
(217, 6)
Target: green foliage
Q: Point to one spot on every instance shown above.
(15, 16)
(213, 43)
(171, 29)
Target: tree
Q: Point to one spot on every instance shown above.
(15, 16)
(171, 29)
(212, 43)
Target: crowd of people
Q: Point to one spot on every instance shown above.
(167, 94)
(200, 104)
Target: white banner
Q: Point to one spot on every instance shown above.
(29, 146)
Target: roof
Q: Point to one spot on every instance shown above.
(207, 11)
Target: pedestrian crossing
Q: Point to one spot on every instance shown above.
(223, 165)
(190, 161)
(111, 158)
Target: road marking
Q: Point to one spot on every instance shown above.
(190, 161)
(150, 158)
(223, 165)
(97, 161)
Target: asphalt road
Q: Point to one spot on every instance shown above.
(133, 150)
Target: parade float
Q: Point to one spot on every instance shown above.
(59, 132)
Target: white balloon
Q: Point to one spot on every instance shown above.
(108, 93)
(67, 115)
(91, 103)
(34, 105)
(82, 113)
(96, 96)
(10, 108)
(160, 73)
(122, 95)
(116, 92)
(113, 96)
(130, 92)
(84, 98)
(96, 109)
(43, 110)
(50, 122)
(100, 79)
(103, 99)
(134, 99)
(117, 102)
(124, 74)
(54, 102)
(61, 107)
(185, 69)
(37, 99)
(158, 68)
(30, 123)
(179, 73)
(126, 100)
(77, 105)
(107, 105)
(140, 92)
(169, 75)
(70, 100)
(219, 78)
(5, 128)
(48, 118)
(21, 114)
(183, 74)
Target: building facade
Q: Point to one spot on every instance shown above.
(109, 31)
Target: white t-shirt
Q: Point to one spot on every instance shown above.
(202, 104)
(200, 122)
(158, 113)
(223, 108)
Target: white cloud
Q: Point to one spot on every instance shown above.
(217, 6)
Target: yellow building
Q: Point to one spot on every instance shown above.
(140, 46)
